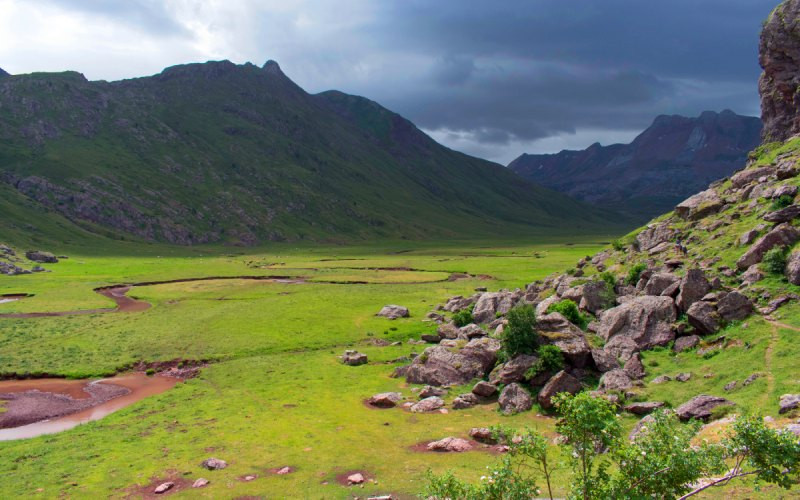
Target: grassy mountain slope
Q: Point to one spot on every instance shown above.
(219, 152)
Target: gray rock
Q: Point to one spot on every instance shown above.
(683, 377)
(214, 464)
(734, 306)
(684, 343)
(430, 390)
(464, 401)
(785, 190)
(661, 379)
(604, 361)
(659, 282)
(484, 389)
(447, 331)
(482, 435)
(430, 338)
(354, 358)
(752, 275)
(694, 286)
(731, 385)
(654, 235)
(163, 487)
(558, 383)
(699, 205)
(703, 317)
(432, 403)
(596, 297)
(782, 235)
(439, 365)
(748, 237)
(385, 399)
(393, 312)
(644, 408)
(200, 482)
(700, 407)
(749, 380)
(634, 367)
(615, 380)
(646, 321)
(450, 444)
(793, 268)
(41, 257)
(513, 370)
(789, 402)
(492, 303)
(640, 426)
(458, 303)
(514, 399)
(471, 331)
(740, 179)
(783, 215)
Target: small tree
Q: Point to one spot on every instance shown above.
(463, 317)
(774, 260)
(520, 335)
(551, 359)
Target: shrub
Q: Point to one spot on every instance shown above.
(635, 273)
(551, 360)
(782, 202)
(569, 310)
(617, 245)
(775, 260)
(609, 278)
(463, 317)
(520, 335)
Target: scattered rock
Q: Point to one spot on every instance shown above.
(513, 370)
(482, 435)
(430, 338)
(557, 330)
(646, 321)
(604, 361)
(634, 367)
(693, 287)
(644, 408)
(684, 343)
(41, 257)
(752, 275)
(430, 390)
(782, 235)
(596, 297)
(700, 407)
(471, 331)
(731, 386)
(615, 380)
(200, 483)
(432, 403)
(734, 306)
(465, 401)
(558, 383)
(492, 303)
(439, 365)
(699, 205)
(214, 464)
(393, 312)
(749, 380)
(484, 389)
(703, 317)
(356, 478)
(783, 215)
(515, 399)
(748, 237)
(793, 268)
(683, 377)
(354, 358)
(385, 399)
(661, 379)
(447, 331)
(654, 235)
(789, 402)
(450, 444)
(163, 487)
(659, 282)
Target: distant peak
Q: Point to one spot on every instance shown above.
(273, 68)
(209, 69)
(3, 73)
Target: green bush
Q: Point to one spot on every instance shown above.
(609, 278)
(463, 317)
(551, 359)
(520, 335)
(775, 260)
(635, 273)
(782, 202)
(569, 310)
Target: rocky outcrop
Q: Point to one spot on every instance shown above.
(393, 312)
(558, 383)
(615, 380)
(787, 214)
(782, 235)
(700, 407)
(441, 365)
(41, 257)
(703, 317)
(699, 205)
(555, 329)
(789, 402)
(645, 321)
(490, 304)
(793, 268)
(513, 370)
(694, 286)
(779, 56)
(354, 358)
(432, 403)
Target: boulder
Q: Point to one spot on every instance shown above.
(703, 317)
(430, 338)
(783, 215)
(543, 306)
(430, 390)
(356, 478)
(615, 380)
(654, 235)
(683, 377)
(393, 312)
(699, 205)
(730, 386)
(694, 286)
(458, 303)
(447, 331)
(163, 487)
(793, 268)
(752, 275)
(214, 464)
(748, 237)
(785, 190)
(432, 403)
(734, 306)
(471, 331)
(555, 329)
(560, 382)
(634, 367)
(661, 379)
(200, 482)
(441, 365)
(782, 235)
(450, 444)
(643, 320)
(744, 177)
(789, 402)
(464, 401)
(482, 435)
(484, 389)
(644, 408)
(659, 282)
(514, 399)
(513, 370)
(750, 379)
(684, 343)
(700, 407)
(385, 399)
(354, 358)
(490, 304)
(596, 297)
(41, 257)
(604, 361)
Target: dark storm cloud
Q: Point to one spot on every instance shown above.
(147, 15)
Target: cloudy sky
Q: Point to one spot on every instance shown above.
(493, 78)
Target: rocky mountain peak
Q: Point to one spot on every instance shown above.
(779, 56)
(3, 73)
(273, 68)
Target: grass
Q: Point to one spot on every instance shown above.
(273, 345)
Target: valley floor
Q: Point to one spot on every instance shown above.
(275, 393)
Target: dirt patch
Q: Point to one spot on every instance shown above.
(148, 491)
(342, 478)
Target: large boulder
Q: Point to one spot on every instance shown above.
(654, 235)
(684, 343)
(441, 365)
(393, 312)
(432, 403)
(214, 464)
(789, 402)
(779, 56)
(560, 382)
(41, 257)
(385, 399)
(744, 177)
(447, 331)
(450, 444)
(458, 303)
(634, 367)
(596, 296)
(703, 317)
(793, 268)
(354, 358)
(699, 205)
(694, 286)
(464, 401)
(783, 215)
(484, 389)
(646, 321)
(782, 235)
(734, 306)
(615, 380)
(659, 282)
(490, 304)
(604, 360)
(752, 275)
(513, 370)
(700, 407)
(557, 330)
(643, 408)
(514, 399)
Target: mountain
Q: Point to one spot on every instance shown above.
(240, 154)
(675, 157)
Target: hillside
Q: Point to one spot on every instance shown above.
(218, 152)
(672, 159)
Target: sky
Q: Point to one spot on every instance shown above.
(491, 78)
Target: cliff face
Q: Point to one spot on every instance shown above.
(674, 158)
(779, 56)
